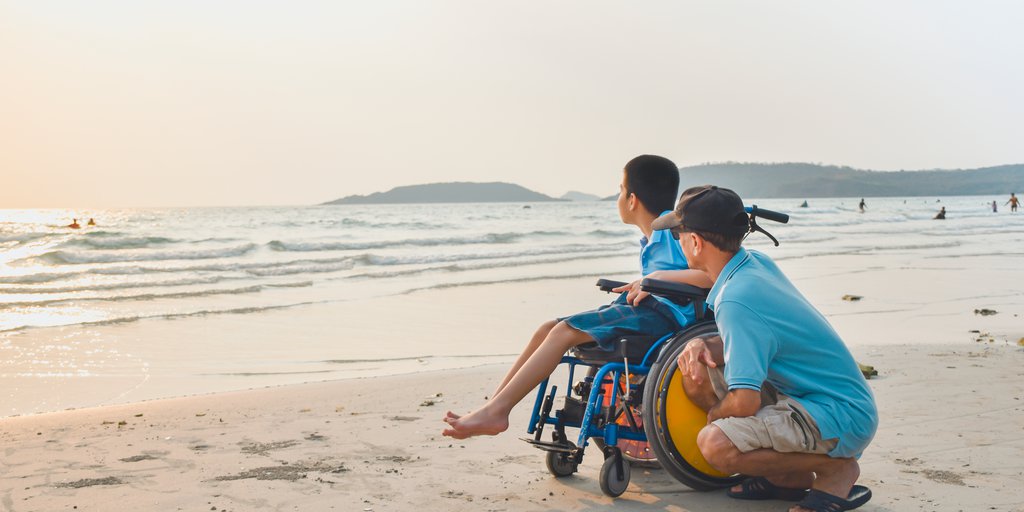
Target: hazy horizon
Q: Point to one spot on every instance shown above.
(119, 104)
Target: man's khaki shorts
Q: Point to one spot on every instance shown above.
(782, 424)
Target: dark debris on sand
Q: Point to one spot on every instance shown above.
(89, 482)
(289, 472)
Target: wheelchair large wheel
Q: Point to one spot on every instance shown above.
(672, 421)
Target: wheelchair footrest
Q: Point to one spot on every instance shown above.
(550, 446)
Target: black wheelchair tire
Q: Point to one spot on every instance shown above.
(559, 464)
(655, 425)
(611, 485)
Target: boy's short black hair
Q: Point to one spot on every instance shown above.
(654, 180)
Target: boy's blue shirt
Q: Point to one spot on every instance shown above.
(662, 252)
(773, 333)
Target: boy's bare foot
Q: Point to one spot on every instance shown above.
(480, 422)
(451, 416)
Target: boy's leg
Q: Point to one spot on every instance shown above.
(531, 347)
(492, 418)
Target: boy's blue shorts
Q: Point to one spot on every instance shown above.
(607, 323)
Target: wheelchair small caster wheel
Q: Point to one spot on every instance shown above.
(614, 483)
(559, 464)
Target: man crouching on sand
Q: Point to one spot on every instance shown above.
(772, 340)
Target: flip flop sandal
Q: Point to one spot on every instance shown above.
(819, 501)
(759, 488)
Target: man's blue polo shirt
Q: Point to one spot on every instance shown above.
(662, 252)
(773, 333)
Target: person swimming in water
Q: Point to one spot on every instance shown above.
(1013, 202)
(74, 224)
(862, 205)
(91, 222)
(942, 214)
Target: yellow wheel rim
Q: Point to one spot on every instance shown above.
(684, 420)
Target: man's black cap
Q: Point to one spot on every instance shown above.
(707, 208)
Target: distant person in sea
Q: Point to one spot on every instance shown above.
(1013, 202)
(647, 191)
(995, 207)
(862, 205)
(91, 222)
(74, 224)
(942, 214)
(803, 204)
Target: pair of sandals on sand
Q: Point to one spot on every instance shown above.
(759, 488)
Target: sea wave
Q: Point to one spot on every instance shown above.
(137, 297)
(464, 267)
(117, 286)
(75, 258)
(118, 242)
(22, 238)
(489, 238)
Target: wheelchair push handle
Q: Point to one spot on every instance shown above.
(754, 211)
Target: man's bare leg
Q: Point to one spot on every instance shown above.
(827, 474)
(492, 418)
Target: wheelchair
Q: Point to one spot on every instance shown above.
(630, 400)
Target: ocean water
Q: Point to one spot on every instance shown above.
(153, 265)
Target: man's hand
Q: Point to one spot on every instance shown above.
(635, 295)
(694, 360)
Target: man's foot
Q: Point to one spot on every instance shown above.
(760, 488)
(818, 501)
(480, 422)
(836, 480)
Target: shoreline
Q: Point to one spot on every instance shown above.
(906, 299)
(337, 445)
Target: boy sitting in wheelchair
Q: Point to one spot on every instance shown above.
(647, 191)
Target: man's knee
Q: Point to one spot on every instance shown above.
(717, 448)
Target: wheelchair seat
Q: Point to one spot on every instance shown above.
(633, 348)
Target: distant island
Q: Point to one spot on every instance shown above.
(573, 195)
(457, 192)
(757, 180)
(802, 180)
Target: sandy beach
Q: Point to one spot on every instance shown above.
(949, 389)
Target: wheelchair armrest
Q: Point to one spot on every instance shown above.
(682, 294)
(672, 290)
(606, 285)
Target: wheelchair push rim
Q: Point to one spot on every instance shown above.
(672, 421)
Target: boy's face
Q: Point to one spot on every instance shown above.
(623, 202)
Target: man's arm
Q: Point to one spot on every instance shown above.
(737, 403)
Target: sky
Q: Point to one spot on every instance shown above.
(198, 103)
